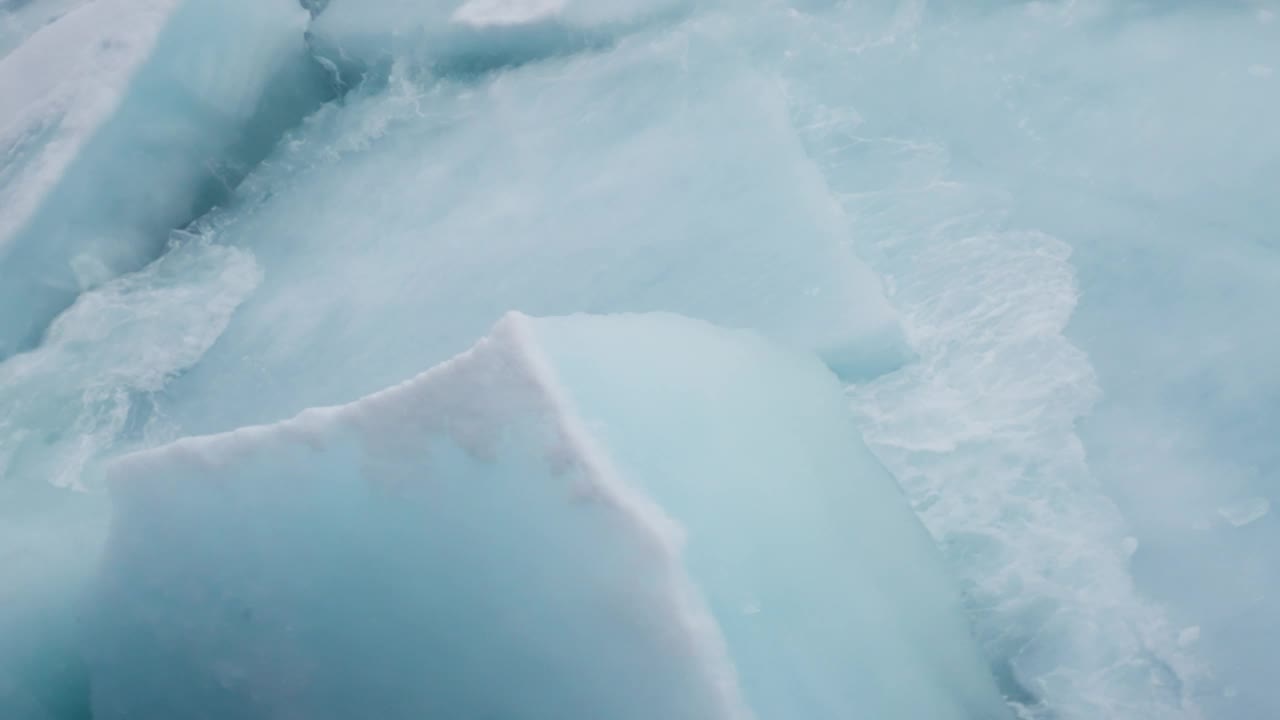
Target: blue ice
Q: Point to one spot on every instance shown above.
(1035, 240)
(633, 516)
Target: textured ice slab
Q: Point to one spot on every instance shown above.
(661, 175)
(625, 517)
(472, 35)
(123, 119)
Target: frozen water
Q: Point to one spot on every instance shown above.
(991, 140)
(597, 183)
(123, 119)
(527, 516)
(1065, 206)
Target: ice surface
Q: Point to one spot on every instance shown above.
(1069, 203)
(20, 18)
(977, 146)
(85, 393)
(408, 218)
(123, 119)
(474, 35)
(88, 382)
(622, 517)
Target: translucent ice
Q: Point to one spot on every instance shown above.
(409, 217)
(82, 394)
(590, 517)
(123, 119)
(1074, 201)
(474, 35)
(1069, 205)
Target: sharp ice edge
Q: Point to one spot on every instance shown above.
(556, 418)
(692, 613)
(421, 401)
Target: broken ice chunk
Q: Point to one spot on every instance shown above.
(432, 550)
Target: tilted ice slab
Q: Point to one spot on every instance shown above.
(661, 175)
(83, 393)
(122, 119)
(625, 517)
(472, 35)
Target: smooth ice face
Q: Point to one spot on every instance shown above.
(622, 517)
(89, 384)
(124, 119)
(49, 543)
(829, 594)
(395, 227)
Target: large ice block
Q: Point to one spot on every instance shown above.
(661, 175)
(122, 120)
(626, 517)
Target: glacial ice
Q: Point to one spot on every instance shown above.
(598, 183)
(1066, 206)
(18, 20)
(633, 516)
(475, 35)
(83, 394)
(123, 119)
(1075, 204)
